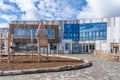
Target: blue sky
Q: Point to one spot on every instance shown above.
(11, 10)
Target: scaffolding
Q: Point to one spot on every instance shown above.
(42, 40)
(8, 46)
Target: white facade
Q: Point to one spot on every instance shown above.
(113, 34)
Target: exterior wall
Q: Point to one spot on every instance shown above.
(113, 31)
(4, 31)
(99, 44)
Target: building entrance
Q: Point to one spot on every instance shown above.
(76, 48)
(82, 48)
(87, 48)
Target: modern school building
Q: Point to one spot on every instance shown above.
(71, 36)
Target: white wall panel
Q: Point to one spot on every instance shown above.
(104, 46)
(104, 19)
(108, 33)
(112, 22)
(87, 21)
(97, 45)
(117, 22)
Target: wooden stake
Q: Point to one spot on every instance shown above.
(0, 47)
(47, 51)
(12, 58)
(38, 53)
(8, 46)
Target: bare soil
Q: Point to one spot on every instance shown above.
(28, 62)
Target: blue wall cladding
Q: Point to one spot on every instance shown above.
(71, 31)
(86, 31)
(93, 31)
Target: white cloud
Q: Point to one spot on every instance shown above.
(4, 25)
(100, 8)
(8, 17)
(28, 6)
(47, 9)
(5, 6)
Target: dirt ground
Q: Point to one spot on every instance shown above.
(28, 62)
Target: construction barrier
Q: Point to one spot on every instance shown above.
(106, 55)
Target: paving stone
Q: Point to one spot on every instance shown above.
(100, 70)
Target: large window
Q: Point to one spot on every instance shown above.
(28, 33)
(51, 33)
(25, 33)
(93, 31)
(86, 31)
(71, 31)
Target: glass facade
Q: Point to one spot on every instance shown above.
(25, 33)
(93, 31)
(66, 46)
(71, 31)
(86, 31)
(51, 33)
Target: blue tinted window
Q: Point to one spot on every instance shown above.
(33, 32)
(28, 33)
(66, 46)
(72, 31)
(93, 31)
(51, 33)
(23, 33)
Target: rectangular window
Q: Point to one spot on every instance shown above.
(72, 30)
(83, 34)
(28, 33)
(66, 46)
(97, 34)
(64, 35)
(93, 31)
(51, 33)
(23, 33)
(80, 35)
(101, 33)
(90, 34)
(71, 35)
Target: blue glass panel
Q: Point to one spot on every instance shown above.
(33, 31)
(51, 33)
(22, 33)
(71, 31)
(25, 33)
(93, 31)
(66, 46)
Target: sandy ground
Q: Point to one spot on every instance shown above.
(28, 62)
(100, 70)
